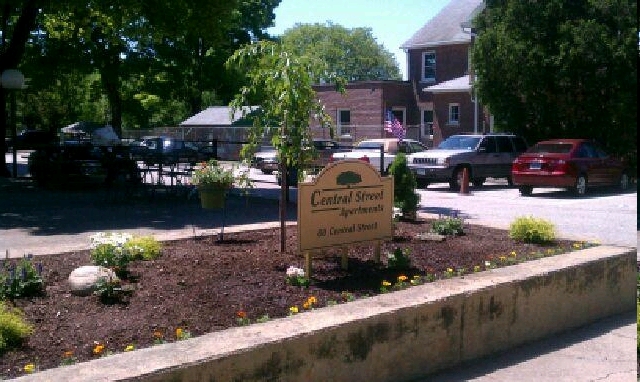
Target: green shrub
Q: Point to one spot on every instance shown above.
(448, 226)
(531, 230)
(20, 278)
(13, 328)
(111, 291)
(113, 257)
(143, 248)
(399, 259)
(404, 186)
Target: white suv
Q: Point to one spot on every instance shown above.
(485, 156)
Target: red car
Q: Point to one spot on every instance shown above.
(575, 164)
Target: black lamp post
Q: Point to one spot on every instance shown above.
(13, 80)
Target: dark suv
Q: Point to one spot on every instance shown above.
(484, 155)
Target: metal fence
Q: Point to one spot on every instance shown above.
(226, 142)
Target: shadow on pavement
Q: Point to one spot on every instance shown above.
(85, 208)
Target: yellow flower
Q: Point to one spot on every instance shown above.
(503, 258)
(449, 270)
(129, 348)
(476, 268)
(68, 354)
(306, 305)
(312, 300)
(402, 278)
(513, 253)
(293, 309)
(98, 349)
(385, 283)
(577, 245)
(179, 332)
(29, 368)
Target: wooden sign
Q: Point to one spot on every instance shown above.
(349, 202)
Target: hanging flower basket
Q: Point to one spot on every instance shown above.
(212, 196)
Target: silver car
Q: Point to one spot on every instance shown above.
(484, 156)
(266, 160)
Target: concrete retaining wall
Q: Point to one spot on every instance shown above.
(396, 336)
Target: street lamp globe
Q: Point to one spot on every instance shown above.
(12, 79)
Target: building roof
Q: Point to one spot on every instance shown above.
(445, 28)
(219, 116)
(460, 84)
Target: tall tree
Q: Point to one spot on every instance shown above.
(561, 69)
(351, 53)
(157, 61)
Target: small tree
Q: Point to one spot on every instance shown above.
(281, 84)
(404, 187)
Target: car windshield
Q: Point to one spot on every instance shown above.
(457, 142)
(555, 148)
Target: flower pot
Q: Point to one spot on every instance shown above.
(212, 197)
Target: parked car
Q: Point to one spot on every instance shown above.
(165, 150)
(483, 155)
(266, 159)
(368, 150)
(575, 164)
(34, 139)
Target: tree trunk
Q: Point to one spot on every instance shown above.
(10, 57)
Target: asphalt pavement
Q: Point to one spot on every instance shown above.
(51, 221)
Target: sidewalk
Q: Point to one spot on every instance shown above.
(603, 351)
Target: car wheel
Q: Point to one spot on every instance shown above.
(456, 180)
(624, 181)
(478, 182)
(422, 183)
(510, 181)
(580, 187)
(525, 190)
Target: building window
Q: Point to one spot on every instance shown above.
(344, 122)
(454, 114)
(427, 123)
(429, 67)
(398, 113)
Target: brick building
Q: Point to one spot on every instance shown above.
(437, 99)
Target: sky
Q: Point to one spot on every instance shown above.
(391, 22)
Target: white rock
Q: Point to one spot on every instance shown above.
(83, 279)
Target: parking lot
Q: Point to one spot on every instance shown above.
(604, 215)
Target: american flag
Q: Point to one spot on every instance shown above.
(393, 126)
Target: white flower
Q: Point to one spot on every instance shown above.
(295, 272)
(116, 239)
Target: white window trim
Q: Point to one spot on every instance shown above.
(450, 121)
(339, 125)
(424, 54)
(423, 123)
